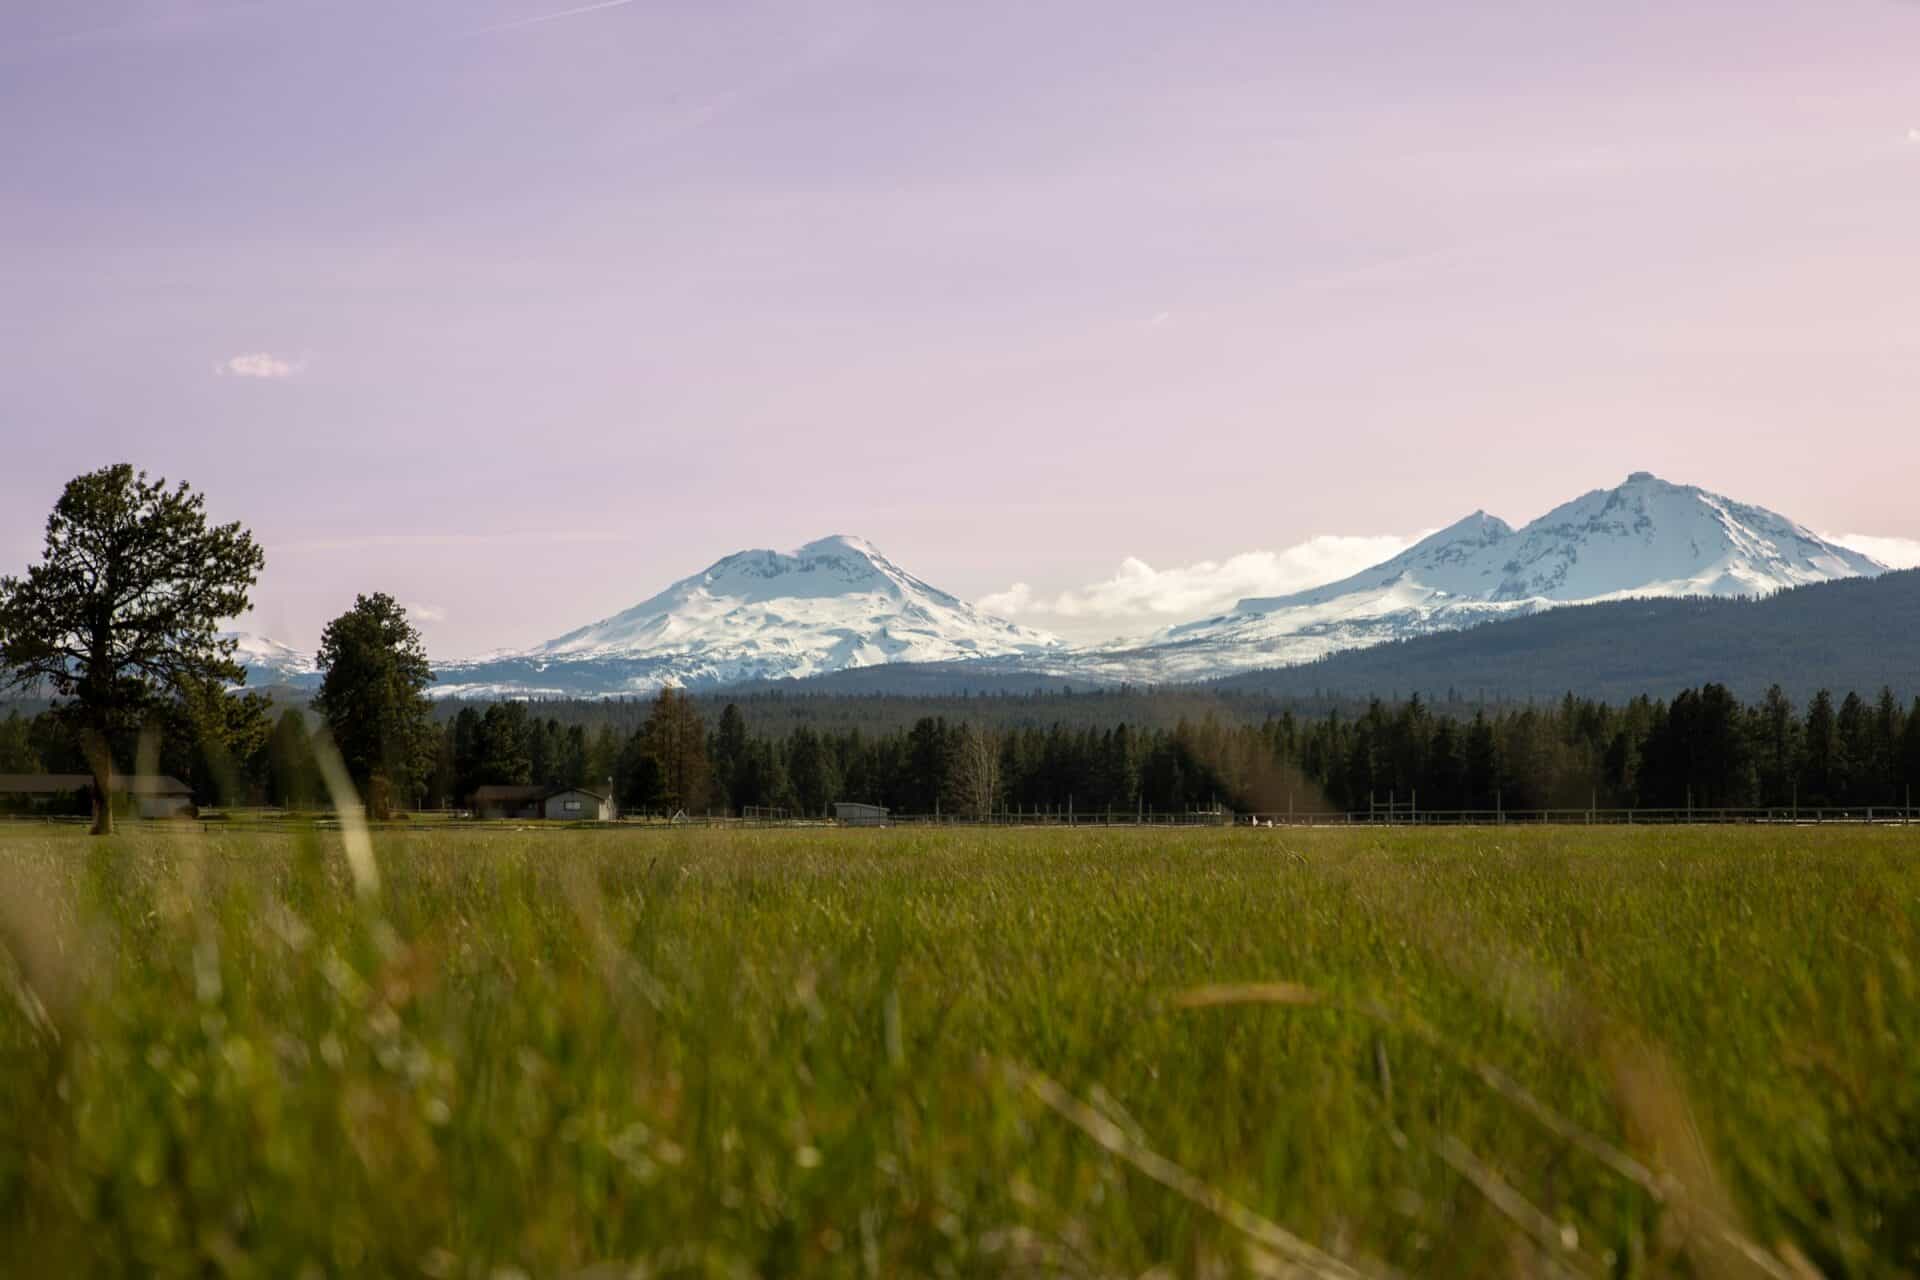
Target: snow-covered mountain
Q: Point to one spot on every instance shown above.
(756, 615)
(838, 604)
(268, 662)
(1645, 538)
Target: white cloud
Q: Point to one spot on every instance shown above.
(1140, 597)
(1017, 598)
(427, 612)
(259, 364)
(1895, 553)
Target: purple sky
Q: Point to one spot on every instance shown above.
(521, 323)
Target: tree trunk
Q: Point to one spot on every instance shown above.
(103, 794)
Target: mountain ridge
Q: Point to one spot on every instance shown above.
(1848, 634)
(828, 605)
(1644, 538)
(837, 604)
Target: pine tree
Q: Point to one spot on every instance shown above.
(1776, 739)
(464, 736)
(1821, 767)
(812, 771)
(118, 618)
(676, 742)
(372, 697)
(1888, 724)
(729, 755)
(503, 747)
(1483, 764)
(1854, 757)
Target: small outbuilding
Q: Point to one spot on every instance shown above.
(850, 814)
(577, 804)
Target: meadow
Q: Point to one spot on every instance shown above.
(496, 1053)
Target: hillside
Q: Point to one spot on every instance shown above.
(1858, 633)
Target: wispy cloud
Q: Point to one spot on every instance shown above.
(427, 612)
(259, 364)
(539, 18)
(1139, 596)
(1895, 553)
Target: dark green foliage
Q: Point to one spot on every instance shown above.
(1705, 748)
(505, 746)
(16, 745)
(372, 698)
(118, 620)
(293, 777)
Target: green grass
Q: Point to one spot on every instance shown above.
(961, 1052)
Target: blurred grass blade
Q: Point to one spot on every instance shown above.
(352, 815)
(1268, 1234)
(1559, 1241)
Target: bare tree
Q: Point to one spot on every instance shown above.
(977, 771)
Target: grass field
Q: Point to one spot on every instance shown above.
(1461, 1053)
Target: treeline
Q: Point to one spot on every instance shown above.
(1705, 748)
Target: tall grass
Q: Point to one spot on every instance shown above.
(1460, 1053)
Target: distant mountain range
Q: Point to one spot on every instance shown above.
(837, 605)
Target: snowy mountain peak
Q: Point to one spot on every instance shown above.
(831, 604)
(1645, 537)
(269, 662)
(839, 565)
(1478, 529)
(1651, 537)
(842, 542)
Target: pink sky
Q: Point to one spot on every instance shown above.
(521, 324)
